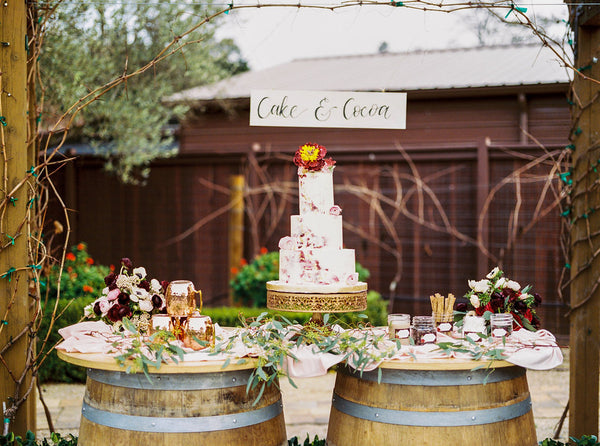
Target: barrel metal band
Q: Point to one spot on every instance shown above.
(166, 381)
(432, 419)
(439, 377)
(181, 424)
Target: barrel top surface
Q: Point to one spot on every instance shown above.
(107, 362)
(443, 364)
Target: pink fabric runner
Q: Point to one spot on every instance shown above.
(532, 350)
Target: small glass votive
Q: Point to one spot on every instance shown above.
(423, 330)
(399, 327)
(474, 327)
(501, 325)
(443, 322)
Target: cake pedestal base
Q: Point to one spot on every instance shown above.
(284, 297)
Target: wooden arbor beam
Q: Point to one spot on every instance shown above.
(15, 303)
(585, 196)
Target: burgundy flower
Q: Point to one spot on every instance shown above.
(123, 298)
(537, 299)
(145, 285)
(497, 303)
(127, 263)
(461, 306)
(164, 284)
(113, 313)
(97, 310)
(110, 279)
(157, 301)
(521, 306)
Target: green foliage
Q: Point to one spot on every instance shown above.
(249, 286)
(81, 276)
(316, 442)
(56, 439)
(250, 283)
(376, 313)
(586, 440)
(89, 44)
(81, 283)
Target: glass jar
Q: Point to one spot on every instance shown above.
(399, 327)
(501, 325)
(474, 327)
(423, 330)
(443, 322)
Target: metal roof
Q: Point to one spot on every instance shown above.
(495, 66)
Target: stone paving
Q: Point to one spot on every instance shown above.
(306, 409)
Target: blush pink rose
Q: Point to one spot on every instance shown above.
(352, 279)
(113, 294)
(335, 210)
(287, 243)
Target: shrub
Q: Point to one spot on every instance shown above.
(249, 286)
(250, 283)
(81, 282)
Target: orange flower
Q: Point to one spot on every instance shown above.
(89, 261)
(88, 289)
(112, 267)
(69, 269)
(243, 262)
(71, 256)
(80, 246)
(234, 270)
(263, 250)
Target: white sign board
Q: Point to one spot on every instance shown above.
(342, 109)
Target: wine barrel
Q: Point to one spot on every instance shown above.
(186, 404)
(432, 405)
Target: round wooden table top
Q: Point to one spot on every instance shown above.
(107, 362)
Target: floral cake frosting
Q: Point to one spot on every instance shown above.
(313, 253)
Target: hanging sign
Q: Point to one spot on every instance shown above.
(342, 109)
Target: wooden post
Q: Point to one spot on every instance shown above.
(483, 190)
(236, 226)
(585, 266)
(15, 303)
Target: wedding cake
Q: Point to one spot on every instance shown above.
(312, 258)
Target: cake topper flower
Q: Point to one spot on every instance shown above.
(311, 157)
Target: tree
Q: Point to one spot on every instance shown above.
(89, 44)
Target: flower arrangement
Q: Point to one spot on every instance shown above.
(311, 157)
(129, 294)
(498, 294)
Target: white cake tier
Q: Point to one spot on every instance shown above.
(317, 266)
(317, 231)
(316, 192)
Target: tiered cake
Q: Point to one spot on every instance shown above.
(315, 272)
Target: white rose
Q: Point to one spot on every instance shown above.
(492, 273)
(524, 296)
(146, 305)
(140, 272)
(501, 283)
(513, 285)
(475, 301)
(480, 286)
(155, 286)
